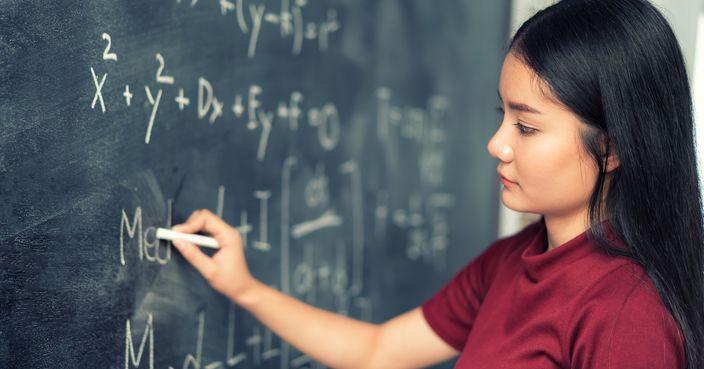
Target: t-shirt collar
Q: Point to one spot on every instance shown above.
(540, 264)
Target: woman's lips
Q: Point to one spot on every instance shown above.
(506, 182)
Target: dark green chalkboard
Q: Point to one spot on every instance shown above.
(346, 139)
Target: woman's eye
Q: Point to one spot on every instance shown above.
(523, 130)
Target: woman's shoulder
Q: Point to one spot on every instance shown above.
(624, 298)
(622, 317)
(626, 282)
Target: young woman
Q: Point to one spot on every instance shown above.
(597, 137)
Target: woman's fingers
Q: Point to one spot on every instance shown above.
(226, 270)
(204, 220)
(202, 262)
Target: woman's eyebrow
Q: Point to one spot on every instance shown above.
(520, 106)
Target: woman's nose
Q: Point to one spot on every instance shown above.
(499, 147)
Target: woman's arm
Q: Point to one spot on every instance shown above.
(332, 339)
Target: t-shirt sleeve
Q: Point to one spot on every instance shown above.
(452, 310)
(641, 334)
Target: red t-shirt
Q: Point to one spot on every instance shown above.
(517, 306)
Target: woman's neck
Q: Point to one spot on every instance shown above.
(561, 229)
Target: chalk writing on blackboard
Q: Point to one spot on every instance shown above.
(107, 55)
(292, 25)
(149, 248)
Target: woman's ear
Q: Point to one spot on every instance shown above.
(608, 156)
(612, 161)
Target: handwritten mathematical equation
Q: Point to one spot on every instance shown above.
(289, 19)
(325, 119)
(244, 105)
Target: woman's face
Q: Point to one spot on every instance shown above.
(544, 165)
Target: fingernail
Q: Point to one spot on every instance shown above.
(177, 227)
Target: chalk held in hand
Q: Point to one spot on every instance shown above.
(167, 234)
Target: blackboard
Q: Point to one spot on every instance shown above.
(346, 139)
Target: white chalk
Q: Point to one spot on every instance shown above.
(167, 234)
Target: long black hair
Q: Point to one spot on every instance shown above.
(617, 65)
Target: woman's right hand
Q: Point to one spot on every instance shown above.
(226, 270)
